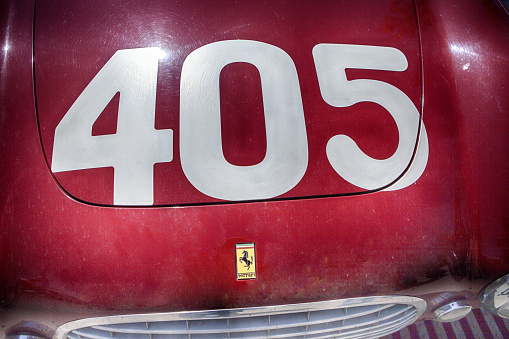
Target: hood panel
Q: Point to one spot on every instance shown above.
(260, 127)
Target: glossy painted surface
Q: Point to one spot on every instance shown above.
(454, 218)
(17, 95)
(465, 75)
(70, 50)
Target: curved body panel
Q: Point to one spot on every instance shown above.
(73, 240)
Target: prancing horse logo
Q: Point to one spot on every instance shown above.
(245, 259)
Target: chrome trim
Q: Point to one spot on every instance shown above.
(495, 297)
(408, 309)
(452, 311)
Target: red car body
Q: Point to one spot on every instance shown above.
(70, 250)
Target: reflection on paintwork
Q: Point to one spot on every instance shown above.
(463, 50)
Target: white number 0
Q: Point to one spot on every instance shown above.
(137, 145)
(201, 152)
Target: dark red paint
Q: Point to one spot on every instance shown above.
(69, 51)
(455, 217)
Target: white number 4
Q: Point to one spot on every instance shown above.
(136, 146)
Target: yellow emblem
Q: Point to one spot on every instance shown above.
(246, 264)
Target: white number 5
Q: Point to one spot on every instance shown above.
(344, 155)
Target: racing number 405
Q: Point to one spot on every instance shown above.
(136, 146)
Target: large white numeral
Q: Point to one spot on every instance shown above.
(136, 146)
(344, 155)
(201, 150)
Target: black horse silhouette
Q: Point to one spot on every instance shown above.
(245, 259)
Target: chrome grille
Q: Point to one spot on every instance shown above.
(348, 318)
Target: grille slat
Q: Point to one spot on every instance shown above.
(348, 318)
(354, 330)
(259, 322)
